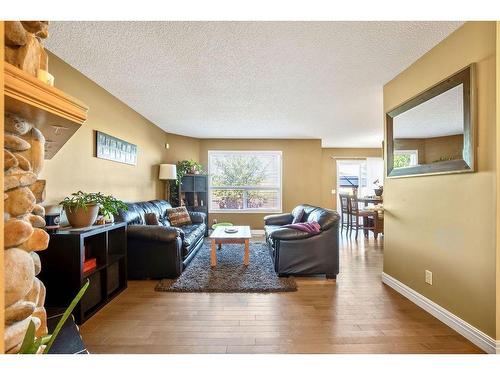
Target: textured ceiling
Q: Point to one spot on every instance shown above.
(251, 79)
(440, 116)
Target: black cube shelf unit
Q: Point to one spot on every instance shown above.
(193, 193)
(62, 267)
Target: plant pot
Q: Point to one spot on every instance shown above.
(80, 217)
(378, 192)
(109, 218)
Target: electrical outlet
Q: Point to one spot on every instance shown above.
(428, 277)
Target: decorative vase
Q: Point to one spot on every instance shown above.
(379, 191)
(100, 220)
(80, 217)
(109, 218)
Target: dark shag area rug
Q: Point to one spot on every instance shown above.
(230, 275)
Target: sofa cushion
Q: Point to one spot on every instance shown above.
(178, 216)
(324, 217)
(164, 221)
(136, 211)
(190, 235)
(151, 218)
(298, 215)
(197, 217)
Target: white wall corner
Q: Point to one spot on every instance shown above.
(471, 333)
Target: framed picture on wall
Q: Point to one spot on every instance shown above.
(111, 148)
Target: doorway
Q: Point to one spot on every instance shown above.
(360, 175)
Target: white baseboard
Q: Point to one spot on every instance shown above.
(471, 333)
(258, 232)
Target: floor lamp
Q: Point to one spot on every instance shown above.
(168, 172)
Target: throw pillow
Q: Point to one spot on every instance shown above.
(178, 216)
(151, 219)
(297, 218)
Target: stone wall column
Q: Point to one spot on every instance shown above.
(24, 235)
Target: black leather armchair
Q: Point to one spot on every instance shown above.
(159, 251)
(296, 252)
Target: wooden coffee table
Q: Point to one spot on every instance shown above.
(219, 237)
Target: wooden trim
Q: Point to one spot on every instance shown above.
(30, 90)
(56, 114)
(471, 333)
(466, 76)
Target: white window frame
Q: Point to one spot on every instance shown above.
(279, 209)
(413, 156)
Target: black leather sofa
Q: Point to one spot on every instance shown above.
(159, 251)
(299, 253)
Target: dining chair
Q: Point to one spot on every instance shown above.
(345, 218)
(355, 214)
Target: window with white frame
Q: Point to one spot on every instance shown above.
(405, 158)
(244, 181)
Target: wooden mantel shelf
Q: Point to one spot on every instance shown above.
(55, 113)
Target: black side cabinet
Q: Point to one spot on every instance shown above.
(193, 193)
(63, 267)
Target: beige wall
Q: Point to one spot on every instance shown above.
(446, 223)
(329, 169)
(309, 171)
(443, 147)
(432, 149)
(497, 179)
(301, 172)
(412, 144)
(75, 168)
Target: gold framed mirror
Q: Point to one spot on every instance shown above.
(434, 132)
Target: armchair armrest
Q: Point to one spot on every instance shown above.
(287, 234)
(197, 217)
(279, 219)
(152, 232)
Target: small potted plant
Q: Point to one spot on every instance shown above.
(379, 190)
(110, 206)
(82, 208)
(185, 167)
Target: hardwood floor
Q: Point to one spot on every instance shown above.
(355, 314)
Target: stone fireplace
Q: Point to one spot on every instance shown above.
(39, 119)
(23, 233)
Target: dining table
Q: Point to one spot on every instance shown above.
(371, 199)
(376, 221)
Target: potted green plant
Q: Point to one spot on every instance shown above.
(185, 167)
(110, 206)
(82, 208)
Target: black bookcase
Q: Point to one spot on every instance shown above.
(62, 267)
(193, 193)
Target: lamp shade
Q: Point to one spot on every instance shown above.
(168, 172)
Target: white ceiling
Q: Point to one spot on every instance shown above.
(251, 79)
(440, 116)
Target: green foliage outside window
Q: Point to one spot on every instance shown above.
(240, 171)
(402, 161)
